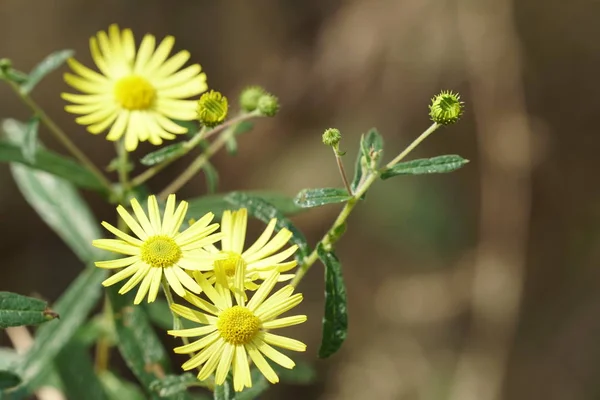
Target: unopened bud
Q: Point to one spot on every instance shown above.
(332, 137)
(268, 105)
(250, 96)
(446, 108)
(212, 109)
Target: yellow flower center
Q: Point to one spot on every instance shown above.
(229, 264)
(134, 93)
(238, 325)
(160, 251)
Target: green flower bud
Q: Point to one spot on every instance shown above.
(212, 109)
(268, 105)
(446, 108)
(250, 96)
(332, 137)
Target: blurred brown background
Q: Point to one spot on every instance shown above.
(478, 285)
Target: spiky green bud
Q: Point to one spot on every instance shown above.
(268, 105)
(446, 108)
(332, 137)
(212, 109)
(250, 96)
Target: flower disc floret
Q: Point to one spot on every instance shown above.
(160, 251)
(134, 93)
(238, 325)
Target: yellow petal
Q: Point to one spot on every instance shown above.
(262, 364)
(241, 370)
(118, 246)
(119, 263)
(193, 332)
(123, 274)
(117, 130)
(284, 322)
(211, 364)
(273, 354)
(144, 53)
(224, 363)
(263, 291)
(262, 240)
(284, 342)
(160, 55)
(122, 235)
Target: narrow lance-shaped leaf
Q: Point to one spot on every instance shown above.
(335, 320)
(212, 177)
(163, 154)
(45, 160)
(139, 345)
(73, 306)
(117, 388)
(217, 203)
(76, 370)
(17, 310)
(259, 386)
(48, 65)
(30, 143)
(371, 148)
(308, 198)
(264, 211)
(172, 385)
(224, 391)
(434, 165)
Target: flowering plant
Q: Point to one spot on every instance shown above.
(187, 267)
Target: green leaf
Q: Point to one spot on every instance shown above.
(9, 358)
(224, 391)
(117, 388)
(45, 160)
(164, 154)
(159, 313)
(212, 177)
(335, 321)
(141, 349)
(217, 203)
(17, 310)
(243, 127)
(308, 198)
(231, 146)
(74, 306)
(30, 144)
(435, 165)
(302, 374)
(8, 380)
(371, 149)
(172, 385)
(76, 370)
(265, 211)
(48, 65)
(192, 126)
(259, 386)
(61, 207)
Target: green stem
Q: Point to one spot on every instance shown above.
(197, 164)
(340, 165)
(122, 169)
(329, 239)
(188, 146)
(60, 135)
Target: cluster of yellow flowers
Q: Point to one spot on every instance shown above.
(215, 282)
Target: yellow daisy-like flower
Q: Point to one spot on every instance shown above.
(159, 249)
(232, 332)
(259, 259)
(136, 95)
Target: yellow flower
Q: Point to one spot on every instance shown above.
(158, 249)
(136, 95)
(232, 332)
(259, 259)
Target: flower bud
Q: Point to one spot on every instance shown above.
(446, 108)
(268, 105)
(212, 109)
(250, 96)
(332, 137)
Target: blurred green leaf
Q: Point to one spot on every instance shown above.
(30, 144)
(7, 72)
(59, 205)
(434, 165)
(172, 385)
(52, 163)
(159, 313)
(192, 126)
(261, 209)
(243, 127)
(117, 388)
(217, 203)
(231, 146)
(76, 370)
(335, 321)
(164, 154)
(73, 306)
(212, 177)
(17, 310)
(46, 66)
(224, 391)
(139, 345)
(371, 148)
(308, 198)
(9, 358)
(8, 379)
